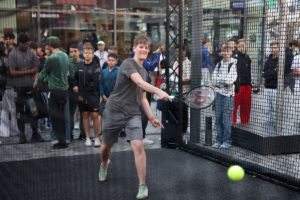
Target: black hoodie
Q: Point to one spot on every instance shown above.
(243, 70)
(87, 79)
(270, 72)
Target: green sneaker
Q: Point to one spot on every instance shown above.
(103, 172)
(143, 192)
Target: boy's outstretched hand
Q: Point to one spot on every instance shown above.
(164, 96)
(156, 123)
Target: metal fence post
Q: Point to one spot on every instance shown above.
(196, 60)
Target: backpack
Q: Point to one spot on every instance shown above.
(229, 66)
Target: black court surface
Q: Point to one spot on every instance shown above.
(172, 175)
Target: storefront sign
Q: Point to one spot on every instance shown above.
(78, 2)
(46, 15)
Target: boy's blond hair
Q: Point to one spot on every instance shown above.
(142, 39)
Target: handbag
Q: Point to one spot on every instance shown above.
(41, 104)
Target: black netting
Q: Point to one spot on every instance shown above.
(248, 51)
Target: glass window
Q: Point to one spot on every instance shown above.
(76, 19)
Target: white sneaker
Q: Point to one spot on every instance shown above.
(88, 142)
(97, 142)
(143, 192)
(147, 141)
(53, 142)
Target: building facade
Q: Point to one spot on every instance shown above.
(113, 21)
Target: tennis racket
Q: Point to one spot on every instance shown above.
(197, 98)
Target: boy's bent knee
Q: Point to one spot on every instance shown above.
(137, 145)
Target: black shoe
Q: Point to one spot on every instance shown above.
(60, 145)
(36, 138)
(81, 136)
(22, 139)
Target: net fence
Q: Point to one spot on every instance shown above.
(248, 51)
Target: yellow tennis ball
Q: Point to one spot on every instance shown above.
(235, 173)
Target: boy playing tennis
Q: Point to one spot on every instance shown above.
(122, 111)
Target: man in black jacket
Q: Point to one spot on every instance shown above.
(242, 85)
(270, 75)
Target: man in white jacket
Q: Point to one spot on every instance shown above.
(224, 76)
(101, 53)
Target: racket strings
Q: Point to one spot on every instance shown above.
(200, 97)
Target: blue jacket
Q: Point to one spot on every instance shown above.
(206, 60)
(150, 63)
(108, 81)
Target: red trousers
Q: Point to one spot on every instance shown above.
(242, 99)
(159, 81)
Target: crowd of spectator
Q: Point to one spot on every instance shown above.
(48, 85)
(79, 78)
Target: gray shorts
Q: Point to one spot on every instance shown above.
(114, 122)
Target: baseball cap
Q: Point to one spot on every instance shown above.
(100, 43)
